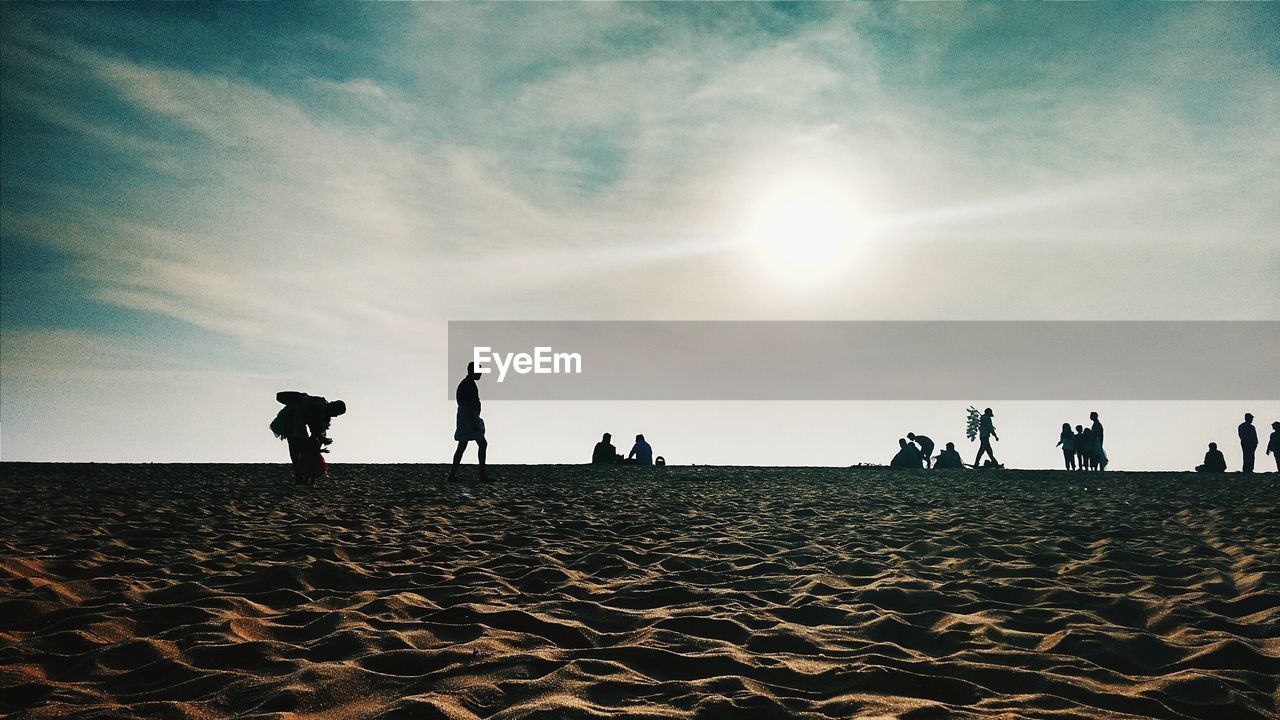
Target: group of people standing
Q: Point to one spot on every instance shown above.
(1082, 447)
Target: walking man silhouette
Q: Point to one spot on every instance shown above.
(1248, 442)
(986, 431)
(470, 426)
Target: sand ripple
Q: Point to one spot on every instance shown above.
(563, 592)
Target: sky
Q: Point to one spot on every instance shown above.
(203, 204)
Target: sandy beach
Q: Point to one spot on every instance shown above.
(211, 591)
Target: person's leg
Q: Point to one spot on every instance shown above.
(482, 446)
(457, 458)
(295, 457)
(1247, 451)
(983, 447)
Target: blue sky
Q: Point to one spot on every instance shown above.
(202, 204)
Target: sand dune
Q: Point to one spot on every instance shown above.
(561, 592)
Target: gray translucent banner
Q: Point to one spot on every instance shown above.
(717, 360)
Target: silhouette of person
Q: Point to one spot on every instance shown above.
(986, 431)
(1099, 452)
(641, 452)
(303, 422)
(1067, 440)
(1248, 442)
(926, 447)
(1084, 441)
(1080, 448)
(908, 456)
(1273, 445)
(949, 459)
(469, 426)
(1214, 462)
(604, 453)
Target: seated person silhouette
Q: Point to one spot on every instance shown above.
(641, 453)
(604, 453)
(908, 457)
(949, 459)
(926, 447)
(1214, 462)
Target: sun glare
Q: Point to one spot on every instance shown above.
(805, 228)
(806, 232)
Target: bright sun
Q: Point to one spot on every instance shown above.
(806, 232)
(805, 229)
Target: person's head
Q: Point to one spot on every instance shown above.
(902, 442)
(1066, 427)
(988, 413)
(640, 438)
(1079, 428)
(1093, 415)
(1213, 446)
(607, 437)
(1275, 425)
(336, 408)
(911, 436)
(1248, 417)
(472, 375)
(951, 446)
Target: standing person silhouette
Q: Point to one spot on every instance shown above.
(1248, 442)
(1068, 442)
(470, 426)
(304, 422)
(926, 447)
(1273, 445)
(1081, 458)
(1098, 451)
(986, 431)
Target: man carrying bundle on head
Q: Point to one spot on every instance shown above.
(303, 422)
(983, 427)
